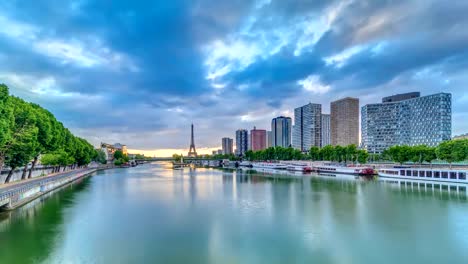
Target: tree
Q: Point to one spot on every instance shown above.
(350, 153)
(28, 131)
(327, 152)
(177, 158)
(314, 153)
(20, 148)
(118, 154)
(452, 151)
(249, 155)
(400, 154)
(45, 143)
(100, 157)
(362, 156)
(6, 123)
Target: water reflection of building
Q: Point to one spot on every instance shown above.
(452, 190)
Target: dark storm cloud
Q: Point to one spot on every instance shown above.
(138, 66)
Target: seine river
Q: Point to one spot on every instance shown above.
(153, 214)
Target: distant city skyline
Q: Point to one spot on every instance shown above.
(126, 73)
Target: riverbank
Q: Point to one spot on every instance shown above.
(16, 194)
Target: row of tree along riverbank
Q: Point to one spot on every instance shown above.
(28, 131)
(447, 151)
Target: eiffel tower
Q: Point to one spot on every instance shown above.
(192, 152)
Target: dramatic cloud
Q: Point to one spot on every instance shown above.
(140, 72)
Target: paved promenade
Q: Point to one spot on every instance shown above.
(10, 190)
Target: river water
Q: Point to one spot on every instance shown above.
(153, 214)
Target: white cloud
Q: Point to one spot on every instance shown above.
(68, 53)
(83, 53)
(225, 56)
(313, 84)
(17, 30)
(339, 59)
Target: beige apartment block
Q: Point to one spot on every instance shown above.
(344, 121)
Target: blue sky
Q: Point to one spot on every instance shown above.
(139, 72)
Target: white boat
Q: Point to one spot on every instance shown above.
(364, 171)
(245, 164)
(299, 167)
(268, 165)
(425, 174)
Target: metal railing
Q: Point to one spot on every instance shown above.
(24, 187)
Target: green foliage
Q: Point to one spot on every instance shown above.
(453, 150)
(275, 153)
(140, 157)
(314, 153)
(177, 158)
(118, 162)
(6, 118)
(329, 153)
(400, 154)
(28, 131)
(362, 156)
(118, 154)
(100, 157)
(450, 151)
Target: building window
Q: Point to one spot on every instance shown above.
(462, 175)
(421, 173)
(402, 172)
(415, 173)
(429, 174)
(453, 175)
(436, 174)
(445, 175)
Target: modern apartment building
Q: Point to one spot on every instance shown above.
(258, 139)
(227, 146)
(344, 122)
(406, 119)
(325, 130)
(269, 139)
(307, 130)
(281, 131)
(241, 142)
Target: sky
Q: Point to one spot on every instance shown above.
(140, 72)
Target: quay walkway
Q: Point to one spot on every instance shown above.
(16, 194)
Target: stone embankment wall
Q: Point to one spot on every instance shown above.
(37, 172)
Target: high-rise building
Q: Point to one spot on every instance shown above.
(307, 130)
(258, 139)
(269, 139)
(227, 144)
(241, 142)
(281, 131)
(406, 120)
(344, 122)
(325, 130)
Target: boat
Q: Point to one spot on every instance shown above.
(245, 163)
(425, 174)
(362, 171)
(269, 165)
(299, 167)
